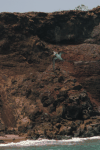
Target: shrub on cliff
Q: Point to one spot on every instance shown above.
(82, 8)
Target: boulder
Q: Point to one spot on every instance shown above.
(65, 130)
(73, 112)
(60, 111)
(46, 99)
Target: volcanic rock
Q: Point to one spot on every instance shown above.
(37, 100)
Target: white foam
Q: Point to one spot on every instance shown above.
(42, 142)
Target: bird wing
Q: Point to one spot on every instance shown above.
(61, 52)
(54, 53)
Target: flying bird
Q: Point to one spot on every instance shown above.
(57, 56)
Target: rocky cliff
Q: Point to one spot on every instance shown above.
(37, 101)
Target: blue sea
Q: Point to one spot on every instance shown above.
(92, 143)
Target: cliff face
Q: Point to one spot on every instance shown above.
(36, 100)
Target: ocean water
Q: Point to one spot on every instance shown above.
(92, 143)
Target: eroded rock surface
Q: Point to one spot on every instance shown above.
(34, 99)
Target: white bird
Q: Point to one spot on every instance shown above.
(57, 56)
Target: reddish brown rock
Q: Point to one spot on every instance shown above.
(37, 100)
